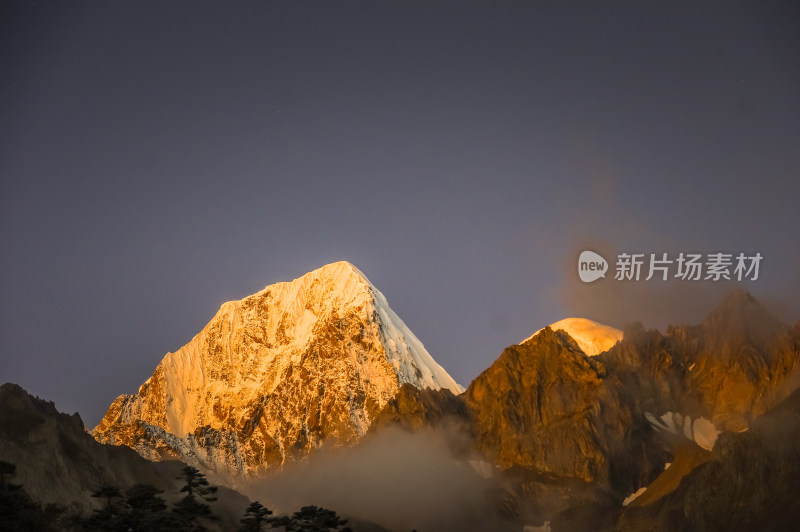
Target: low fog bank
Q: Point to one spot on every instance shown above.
(397, 479)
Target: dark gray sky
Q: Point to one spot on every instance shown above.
(160, 158)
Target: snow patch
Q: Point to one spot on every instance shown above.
(705, 433)
(701, 431)
(633, 496)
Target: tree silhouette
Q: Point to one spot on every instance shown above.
(18, 511)
(189, 508)
(147, 510)
(7, 470)
(196, 484)
(145, 498)
(255, 517)
(110, 516)
(313, 519)
(109, 493)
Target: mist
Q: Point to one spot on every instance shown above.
(657, 303)
(608, 216)
(396, 479)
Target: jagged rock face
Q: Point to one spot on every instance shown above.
(289, 369)
(546, 406)
(734, 366)
(547, 426)
(583, 432)
(414, 409)
(743, 362)
(533, 394)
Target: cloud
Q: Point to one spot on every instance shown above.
(393, 478)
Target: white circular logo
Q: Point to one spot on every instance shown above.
(591, 266)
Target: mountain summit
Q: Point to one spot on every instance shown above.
(593, 338)
(294, 367)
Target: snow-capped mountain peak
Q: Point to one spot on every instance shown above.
(347, 286)
(294, 366)
(593, 338)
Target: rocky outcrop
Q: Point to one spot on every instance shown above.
(546, 406)
(414, 409)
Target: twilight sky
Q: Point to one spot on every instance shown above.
(160, 158)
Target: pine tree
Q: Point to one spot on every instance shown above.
(196, 483)
(147, 510)
(110, 516)
(145, 498)
(191, 511)
(189, 508)
(255, 517)
(7, 470)
(109, 493)
(18, 511)
(314, 519)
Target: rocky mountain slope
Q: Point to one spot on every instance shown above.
(728, 370)
(751, 480)
(546, 406)
(293, 368)
(57, 461)
(570, 438)
(694, 428)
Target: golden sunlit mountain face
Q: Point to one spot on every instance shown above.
(494, 167)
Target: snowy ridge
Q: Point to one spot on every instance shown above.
(593, 338)
(410, 359)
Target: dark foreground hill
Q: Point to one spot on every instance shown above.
(58, 462)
